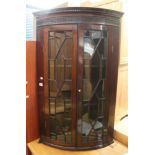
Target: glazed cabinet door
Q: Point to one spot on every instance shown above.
(93, 85)
(59, 86)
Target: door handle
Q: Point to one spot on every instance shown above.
(41, 78)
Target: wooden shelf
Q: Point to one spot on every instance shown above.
(41, 149)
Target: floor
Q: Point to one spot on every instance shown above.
(40, 149)
(121, 131)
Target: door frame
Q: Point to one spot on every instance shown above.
(80, 65)
(72, 28)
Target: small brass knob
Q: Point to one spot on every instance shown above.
(40, 84)
(41, 78)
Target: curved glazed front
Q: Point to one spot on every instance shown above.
(77, 56)
(94, 146)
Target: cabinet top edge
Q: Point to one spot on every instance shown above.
(76, 10)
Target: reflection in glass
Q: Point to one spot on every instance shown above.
(88, 47)
(51, 68)
(52, 106)
(52, 88)
(68, 69)
(91, 124)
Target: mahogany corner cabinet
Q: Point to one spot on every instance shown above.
(77, 67)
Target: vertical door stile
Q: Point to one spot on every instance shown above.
(109, 82)
(74, 83)
(45, 84)
(113, 76)
(79, 81)
(40, 91)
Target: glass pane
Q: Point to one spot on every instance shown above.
(101, 105)
(69, 35)
(68, 110)
(87, 90)
(59, 70)
(68, 69)
(59, 104)
(88, 48)
(51, 48)
(51, 34)
(86, 72)
(66, 90)
(60, 85)
(52, 88)
(56, 41)
(103, 70)
(51, 70)
(52, 103)
(95, 70)
(67, 50)
(91, 123)
(100, 91)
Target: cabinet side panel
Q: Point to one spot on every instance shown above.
(113, 77)
(40, 74)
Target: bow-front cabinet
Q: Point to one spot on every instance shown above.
(77, 66)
